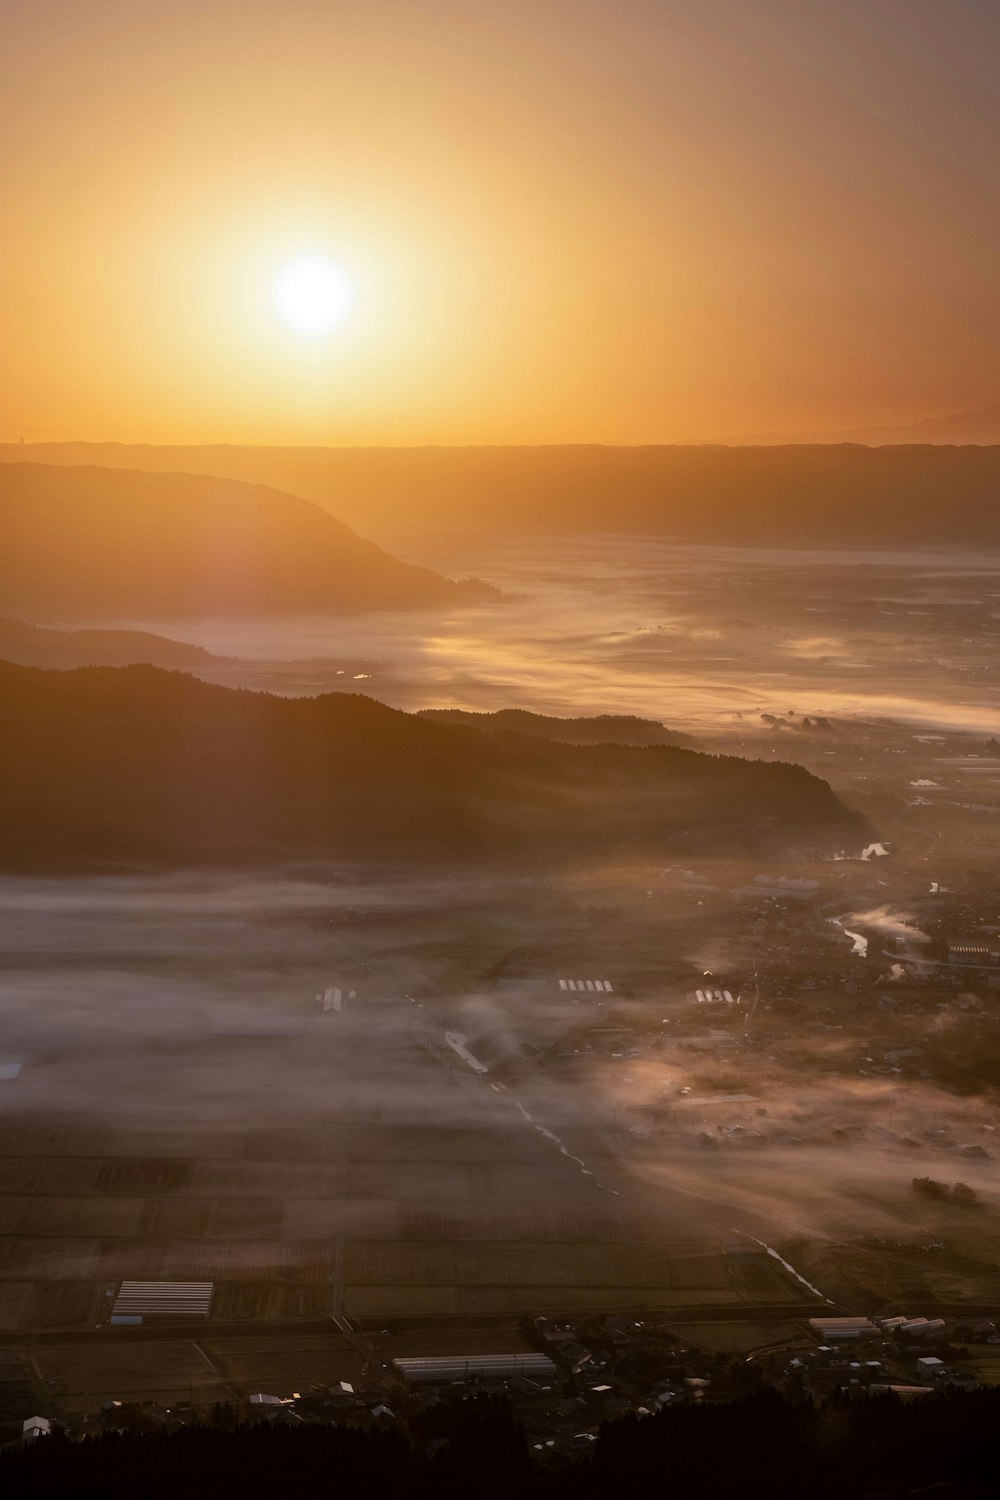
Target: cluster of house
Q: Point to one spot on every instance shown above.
(578, 1374)
(903, 1367)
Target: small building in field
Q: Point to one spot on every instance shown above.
(441, 1369)
(835, 1330)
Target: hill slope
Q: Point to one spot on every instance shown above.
(31, 646)
(601, 729)
(138, 765)
(784, 496)
(93, 543)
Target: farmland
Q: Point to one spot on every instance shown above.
(191, 1112)
(264, 1083)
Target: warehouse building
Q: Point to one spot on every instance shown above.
(834, 1330)
(440, 1369)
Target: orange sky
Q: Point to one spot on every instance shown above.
(565, 220)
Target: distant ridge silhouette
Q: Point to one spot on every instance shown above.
(979, 427)
(794, 495)
(31, 646)
(98, 544)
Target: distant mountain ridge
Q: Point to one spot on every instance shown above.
(32, 646)
(981, 427)
(790, 496)
(104, 544)
(135, 766)
(599, 729)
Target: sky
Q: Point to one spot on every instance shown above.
(620, 221)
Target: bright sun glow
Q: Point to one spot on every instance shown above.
(312, 295)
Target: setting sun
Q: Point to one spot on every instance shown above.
(312, 295)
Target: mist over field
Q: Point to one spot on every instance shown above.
(499, 749)
(694, 637)
(192, 997)
(158, 1018)
(311, 1071)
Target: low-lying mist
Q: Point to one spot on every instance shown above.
(190, 998)
(694, 636)
(190, 1004)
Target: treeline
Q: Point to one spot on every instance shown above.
(959, 1192)
(765, 1446)
(137, 765)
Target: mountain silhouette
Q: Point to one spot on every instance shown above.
(33, 646)
(600, 729)
(98, 544)
(821, 495)
(981, 427)
(131, 766)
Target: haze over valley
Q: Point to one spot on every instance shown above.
(764, 774)
(499, 749)
(780, 496)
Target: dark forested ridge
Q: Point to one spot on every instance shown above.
(793, 495)
(598, 729)
(98, 544)
(134, 764)
(761, 1448)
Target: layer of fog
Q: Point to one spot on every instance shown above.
(691, 636)
(193, 1000)
(814, 1148)
(181, 1017)
(890, 924)
(823, 1154)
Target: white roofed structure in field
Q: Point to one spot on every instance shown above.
(443, 1368)
(163, 1299)
(843, 1328)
